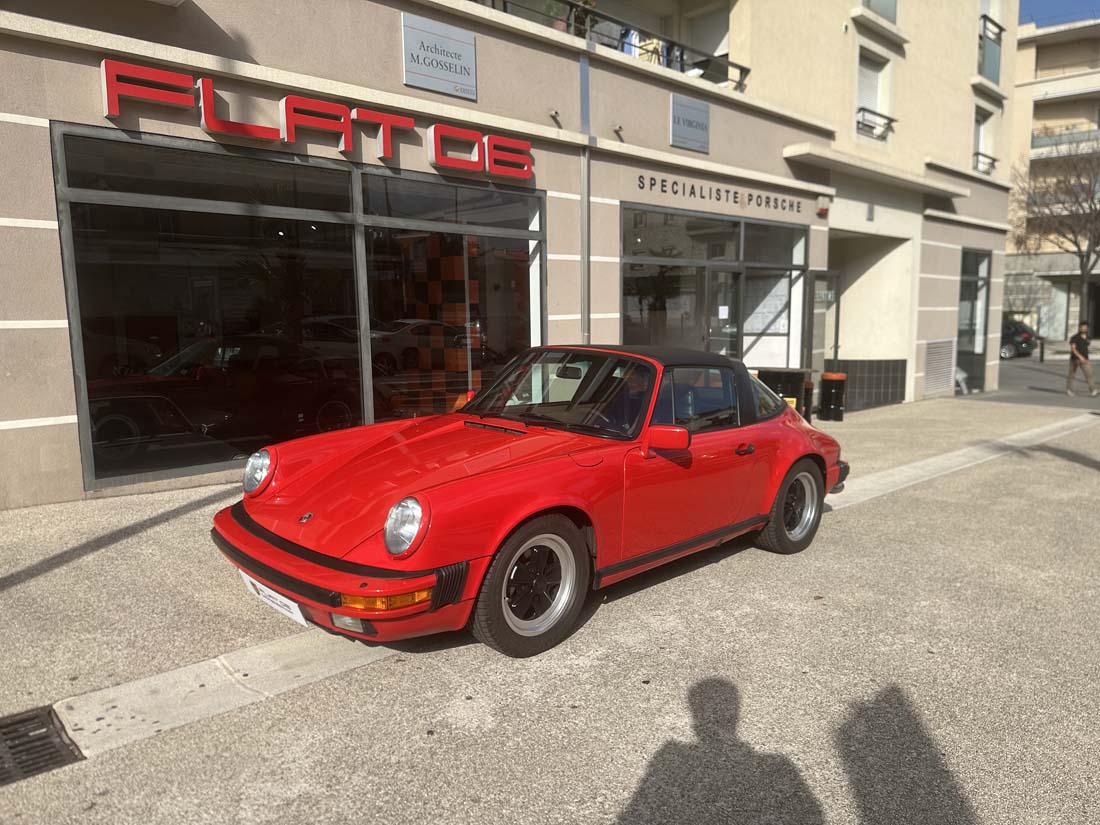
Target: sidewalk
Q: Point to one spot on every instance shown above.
(885, 437)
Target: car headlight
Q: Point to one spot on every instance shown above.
(402, 525)
(256, 470)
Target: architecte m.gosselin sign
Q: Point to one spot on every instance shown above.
(439, 57)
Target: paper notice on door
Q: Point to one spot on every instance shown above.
(723, 313)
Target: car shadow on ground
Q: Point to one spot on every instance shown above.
(895, 769)
(79, 551)
(595, 598)
(1073, 456)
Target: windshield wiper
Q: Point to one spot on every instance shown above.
(499, 427)
(565, 425)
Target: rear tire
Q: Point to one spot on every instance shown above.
(796, 512)
(534, 591)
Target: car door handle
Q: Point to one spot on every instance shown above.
(745, 449)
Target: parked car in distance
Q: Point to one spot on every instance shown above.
(576, 468)
(1017, 338)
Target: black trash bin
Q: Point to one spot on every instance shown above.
(834, 387)
(787, 384)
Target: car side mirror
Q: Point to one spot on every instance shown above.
(667, 437)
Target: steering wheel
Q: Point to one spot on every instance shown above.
(598, 416)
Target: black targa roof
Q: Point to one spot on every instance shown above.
(668, 356)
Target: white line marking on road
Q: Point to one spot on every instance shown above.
(860, 489)
(110, 718)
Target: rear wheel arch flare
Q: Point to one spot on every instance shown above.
(816, 459)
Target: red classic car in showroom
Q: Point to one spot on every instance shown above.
(577, 468)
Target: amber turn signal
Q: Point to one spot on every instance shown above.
(386, 602)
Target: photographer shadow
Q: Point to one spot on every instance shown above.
(720, 778)
(896, 770)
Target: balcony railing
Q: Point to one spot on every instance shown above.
(990, 34)
(874, 124)
(984, 163)
(887, 9)
(1046, 138)
(623, 36)
(1055, 70)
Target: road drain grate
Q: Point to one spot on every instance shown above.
(33, 742)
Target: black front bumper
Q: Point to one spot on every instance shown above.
(844, 470)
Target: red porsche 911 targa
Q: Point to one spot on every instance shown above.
(577, 468)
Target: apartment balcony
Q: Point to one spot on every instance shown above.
(874, 124)
(624, 36)
(990, 36)
(1078, 136)
(983, 163)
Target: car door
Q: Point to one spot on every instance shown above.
(761, 431)
(679, 497)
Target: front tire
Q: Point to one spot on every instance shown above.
(1008, 351)
(534, 591)
(796, 512)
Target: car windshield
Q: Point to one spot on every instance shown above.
(590, 392)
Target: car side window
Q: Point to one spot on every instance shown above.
(662, 411)
(698, 398)
(768, 403)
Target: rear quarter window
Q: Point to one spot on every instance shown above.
(768, 404)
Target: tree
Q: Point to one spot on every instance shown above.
(1056, 201)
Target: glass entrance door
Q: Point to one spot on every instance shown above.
(826, 316)
(973, 316)
(723, 312)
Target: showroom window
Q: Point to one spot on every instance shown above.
(712, 283)
(226, 299)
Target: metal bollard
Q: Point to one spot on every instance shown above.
(1042, 349)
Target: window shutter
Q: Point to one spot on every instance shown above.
(869, 72)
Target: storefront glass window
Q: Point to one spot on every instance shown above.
(140, 168)
(208, 336)
(770, 244)
(394, 197)
(214, 321)
(447, 312)
(684, 284)
(649, 234)
(662, 305)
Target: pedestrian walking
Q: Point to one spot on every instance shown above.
(1079, 357)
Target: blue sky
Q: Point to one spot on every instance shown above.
(1052, 12)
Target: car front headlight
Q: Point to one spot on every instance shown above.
(402, 525)
(256, 470)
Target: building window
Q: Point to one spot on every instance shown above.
(219, 296)
(990, 36)
(886, 9)
(710, 283)
(871, 97)
(984, 161)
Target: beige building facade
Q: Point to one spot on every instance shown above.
(227, 224)
(1056, 111)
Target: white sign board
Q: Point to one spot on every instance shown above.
(689, 126)
(439, 57)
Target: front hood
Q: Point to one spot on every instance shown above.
(350, 496)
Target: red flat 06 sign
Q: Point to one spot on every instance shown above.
(449, 147)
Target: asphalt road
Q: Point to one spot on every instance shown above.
(1043, 384)
(932, 658)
